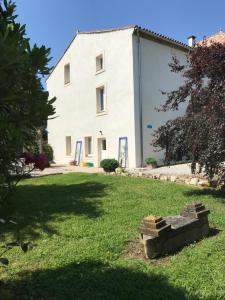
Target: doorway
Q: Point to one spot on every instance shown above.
(123, 152)
(78, 152)
(102, 149)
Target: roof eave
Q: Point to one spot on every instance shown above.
(145, 33)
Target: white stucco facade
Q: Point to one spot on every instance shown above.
(134, 71)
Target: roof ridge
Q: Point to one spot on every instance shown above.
(107, 29)
(137, 27)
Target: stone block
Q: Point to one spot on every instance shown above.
(164, 177)
(187, 181)
(173, 178)
(194, 181)
(203, 183)
(161, 236)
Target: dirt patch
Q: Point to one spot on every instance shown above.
(133, 249)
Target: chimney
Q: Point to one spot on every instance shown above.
(191, 40)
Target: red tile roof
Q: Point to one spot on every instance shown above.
(218, 37)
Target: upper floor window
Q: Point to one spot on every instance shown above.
(99, 63)
(100, 97)
(67, 74)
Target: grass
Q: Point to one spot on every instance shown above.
(80, 224)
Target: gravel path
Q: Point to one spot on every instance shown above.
(60, 169)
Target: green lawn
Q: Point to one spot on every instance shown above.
(80, 223)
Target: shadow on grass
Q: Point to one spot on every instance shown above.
(91, 280)
(216, 194)
(33, 206)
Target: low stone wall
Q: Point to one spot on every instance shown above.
(162, 236)
(186, 179)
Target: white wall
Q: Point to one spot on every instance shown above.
(76, 102)
(155, 77)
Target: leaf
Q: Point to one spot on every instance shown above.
(2, 221)
(12, 222)
(4, 261)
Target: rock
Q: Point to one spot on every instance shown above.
(204, 183)
(179, 180)
(149, 176)
(140, 174)
(118, 171)
(163, 177)
(173, 178)
(194, 181)
(156, 176)
(112, 173)
(187, 181)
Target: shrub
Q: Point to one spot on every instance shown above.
(47, 149)
(41, 161)
(24, 104)
(151, 161)
(109, 165)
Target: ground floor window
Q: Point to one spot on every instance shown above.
(68, 145)
(88, 146)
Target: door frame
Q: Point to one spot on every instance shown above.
(76, 149)
(126, 152)
(99, 145)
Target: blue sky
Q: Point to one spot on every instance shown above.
(54, 22)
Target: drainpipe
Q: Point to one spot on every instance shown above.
(140, 96)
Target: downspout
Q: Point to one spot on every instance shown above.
(140, 97)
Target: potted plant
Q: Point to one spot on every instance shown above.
(151, 162)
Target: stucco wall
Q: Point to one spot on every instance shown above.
(76, 102)
(155, 76)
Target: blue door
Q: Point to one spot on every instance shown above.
(123, 152)
(78, 152)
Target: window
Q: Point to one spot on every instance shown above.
(68, 145)
(67, 74)
(104, 144)
(88, 146)
(99, 63)
(100, 94)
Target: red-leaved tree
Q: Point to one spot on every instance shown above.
(200, 133)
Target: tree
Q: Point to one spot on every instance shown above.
(200, 133)
(24, 104)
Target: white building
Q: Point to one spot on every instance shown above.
(108, 84)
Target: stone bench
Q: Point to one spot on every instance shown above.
(162, 236)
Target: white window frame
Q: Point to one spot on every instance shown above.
(67, 77)
(86, 143)
(98, 110)
(97, 71)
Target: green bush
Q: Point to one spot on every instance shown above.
(109, 165)
(151, 161)
(47, 149)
